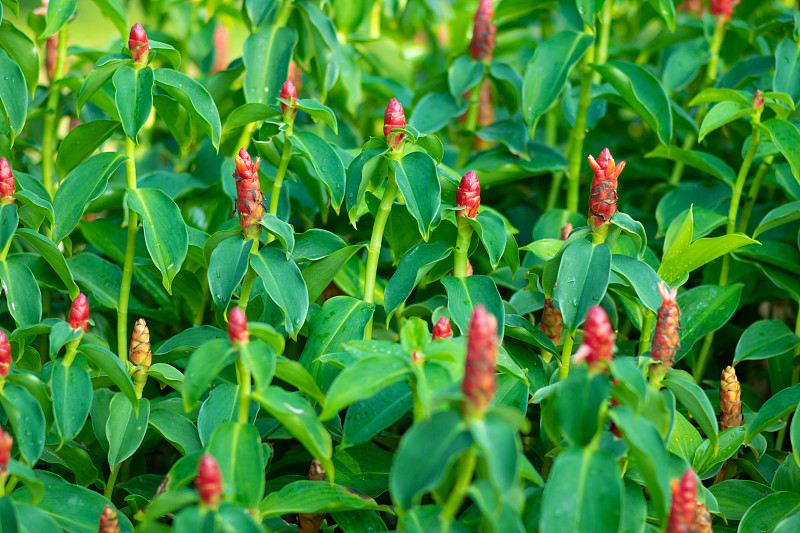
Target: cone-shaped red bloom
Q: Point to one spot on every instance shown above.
(565, 231)
(5, 356)
(483, 32)
(220, 48)
(249, 200)
(6, 442)
(603, 198)
(394, 118)
(468, 194)
(109, 523)
(296, 75)
(288, 92)
(552, 321)
(758, 101)
(442, 329)
(139, 353)
(6, 182)
(237, 326)
(209, 481)
(730, 400)
(598, 340)
(723, 8)
(79, 313)
(479, 383)
(137, 44)
(684, 495)
(666, 341)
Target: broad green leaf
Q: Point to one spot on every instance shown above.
(81, 142)
(786, 138)
(71, 388)
(464, 74)
(794, 435)
(463, 294)
(58, 13)
(665, 8)
(23, 297)
(434, 111)
(125, 429)
(367, 418)
(723, 113)
(260, 360)
(362, 380)
(499, 446)
(22, 50)
(736, 496)
(683, 63)
(280, 229)
(580, 425)
(319, 112)
(187, 341)
(104, 70)
(368, 165)
(705, 309)
(694, 399)
(177, 429)
(777, 217)
(326, 162)
(13, 94)
(588, 9)
(237, 449)
(719, 94)
(177, 120)
(194, 98)
(167, 50)
(247, 114)
(491, 230)
(319, 274)
(641, 277)
(765, 514)
(295, 374)
(787, 69)
(419, 184)
(113, 367)
(101, 277)
(134, 97)
(55, 258)
(711, 165)
(227, 268)
(777, 407)
(221, 405)
(698, 253)
(414, 265)
(582, 280)
(9, 221)
(113, 11)
(204, 365)
(764, 339)
(284, 284)
(266, 56)
(314, 497)
(27, 420)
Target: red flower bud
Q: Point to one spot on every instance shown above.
(758, 101)
(42, 11)
(552, 321)
(666, 341)
(249, 200)
(109, 523)
(565, 231)
(479, 382)
(692, 6)
(79, 313)
(723, 8)
(296, 75)
(684, 496)
(598, 340)
(288, 92)
(603, 198)
(442, 329)
(209, 481)
(6, 442)
(237, 326)
(394, 118)
(730, 400)
(51, 56)
(139, 353)
(6, 182)
(5, 356)
(483, 32)
(220, 48)
(468, 194)
(137, 44)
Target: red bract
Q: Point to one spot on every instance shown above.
(5, 356)
(468, 194)
(479, 382)
(288, 92)
(79, 313)
(139, 352)
(6, 443)
(51, 56)
(220, 48)
(723, 8)
(296, 75)
(598, 340)
(565, 231)
(109, 523)
(483, 32)
(758, 101)
(237, 326)
(682, 510)
(730, 400)
(552, 321)
(7, 184)
(137, 44)
(249, 200)
(209, 481)
(603, 194)
(394, 118)
(666, 340)
(442, 329)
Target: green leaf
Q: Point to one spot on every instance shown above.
(367, 166)
(299, 418)
(779, 216)
(707, 163)
(694, 399)
(176, 429)
(58, 13)
(204, 365)
(23, 296)
(84, 184)
(718, 94)
(702, 251)
(794, 435)
(27, 420)
(434, 111)
(705, 309)
(194, 98)
(260, 360)
(113, 367)
(319, 112)
(9, 221)
(588, 9)
(666, 9)
(319, 274)
(777, 407)
(237, 449)
(723, 113)
(414, 265)
(22, 50)
(787, 70)
(168, 51)
(641, 277)
(764, 339)
(165, 231)
(643, 92)
(280, 229)
(295, 374)
(548, 69)
(113, 11)
(226, 268)
(284, 284)
(96, 79)
(582, 280)
(314, 497)
(101, 277)
(367, 418)
(419, 184)
(765, 514)
(463, 294)
(257, 11)
(786, 138)
(362, 380)
(50, 253)
(125, 429)
(464, 74)
(247, 114)
(736, 496)
(13, 94)
(266, 57)
(499, 448)
(326, 162)
(81, 142)
(71, 388)
(134, 97)
(177, 120)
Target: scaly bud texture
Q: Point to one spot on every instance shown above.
(479, 382)
(5, 356)
(552, 321)
(137, 44)
(666, 341)
(288, 92)
(442, 329)
(684, 496)
(702, 519)
(758, 101)
(483, 32)
(109, 523)
(603, 194)
(468, 194)
(249, 200)
(565, 231)
(237, 327)
(394, 118)
(79, 313)
(220, 47)
(311, 522)
(209, 481)
(723, 8)
(598, 340)
(730, 400)
(6, 442)
(139, 354)
(6, 182)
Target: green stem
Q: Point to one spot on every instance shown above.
(566, 353)
(551, 139)
(677, 170)
(249, 280)
(286, 156)
(112, 480)
(130, 254)
(461, 253)
(716, 44)
(72, 351)
(283, 14)
(244, 379)
(647, 329)
(752, 194)
(466, 469)
(579, 131)
(602, 42)
(469, 125)
(51, 116)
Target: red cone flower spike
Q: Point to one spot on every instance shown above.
(468, 194)
(603, 199)
(288, 92)
(565, 231)
(237, 326)
(249, 200)
(479, 383)
(139, 354)
(442, 329)
(296, 75)
(394, 118)
(5, 356)
(684, 496)
(758, 101)
(598, 340)
(730, 400)
(137, 44)
(702, 519)
(51, 56)
(552, 321)
(485, 113)
(79, 313)
(109, 523)
(723, 8)
(209, 481)
(6, 442)
(483, 32)
(666, 340)
(7, 184)
(220, 48)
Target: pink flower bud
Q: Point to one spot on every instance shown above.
(209, 481)
(288, 92)
(51, 56)
(598, 340)
(6, 182)
(552, 322)
(79, 313)
(666, 340)
(249, 200)
(394, 118)
(483, 32)
(6, 442)
(603, 194)
(565, 231)
(442, 329)
(42, 11)
(296, 75)
(5, 356)
(237, 326)
(682, 510)
(468, 194)
(723, 8)
(109, 523)
(758, 101)
(479, 382)
(137, 44)
(220, 48)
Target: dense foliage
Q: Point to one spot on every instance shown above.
(413, 265)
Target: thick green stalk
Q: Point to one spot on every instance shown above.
(469, 125)
(566, 353)
(461, 253)
(245, 384)
(646, 333)
(52, 116)
(579, 131)
(72, 351)
(602, 43)
(466, 469)
(713, 50)
(130, 254)
(249, 279)
(112, 480)
(286, 156)
(551, 139)
(752, 194)
(283, 14)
